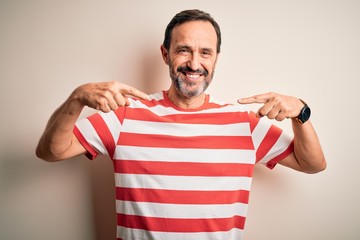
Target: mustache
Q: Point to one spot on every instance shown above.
(184, 69)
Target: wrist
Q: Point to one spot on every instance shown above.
(74, 106)
(304, 114)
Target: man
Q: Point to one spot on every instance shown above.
(183, 161)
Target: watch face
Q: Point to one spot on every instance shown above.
(305, 114)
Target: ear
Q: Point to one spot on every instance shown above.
(164, 54)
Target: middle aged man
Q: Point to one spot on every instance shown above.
(183, 161)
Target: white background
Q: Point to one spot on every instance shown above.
(309, 49)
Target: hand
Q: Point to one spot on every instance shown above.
(106, 96)
(275, 106)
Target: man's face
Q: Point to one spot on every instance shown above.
(192, 57)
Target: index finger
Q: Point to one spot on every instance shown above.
(261, 98)
(133, 92)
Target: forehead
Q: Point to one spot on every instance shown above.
(195, 34)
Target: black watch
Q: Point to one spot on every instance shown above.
(304, 114)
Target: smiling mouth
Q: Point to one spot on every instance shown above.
(192, 76)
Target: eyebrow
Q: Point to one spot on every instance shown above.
(207, 49)
(182, 47)
(188, 47)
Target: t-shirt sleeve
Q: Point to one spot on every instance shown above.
(91, 151)
(271, 143)
(99, 133)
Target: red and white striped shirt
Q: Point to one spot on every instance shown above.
(182, 174)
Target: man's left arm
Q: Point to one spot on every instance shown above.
(308, 156)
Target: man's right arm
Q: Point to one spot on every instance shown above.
(58, 141)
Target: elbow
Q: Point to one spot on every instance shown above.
(41, 154)
(321, 166)
(324, 165)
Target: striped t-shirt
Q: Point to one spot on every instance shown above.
(182, 174)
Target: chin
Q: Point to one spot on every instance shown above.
(191, 93)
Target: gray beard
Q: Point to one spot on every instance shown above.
(181, 84)
(181, 87)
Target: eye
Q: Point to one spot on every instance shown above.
(206, 53)
(183, 51)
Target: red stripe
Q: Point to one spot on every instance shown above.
(199, 118)
(253, 121)
(211, 105)
(166, 102)
(182, 196)
(268, 142)
(180, 225)
(165, 141)
(184, 168)
(120, 113)
(104, 133)
(154, 103)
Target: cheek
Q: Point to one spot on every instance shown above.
(210, 67)
(178, 59)
(175, 63)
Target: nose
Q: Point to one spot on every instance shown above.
(194, 62)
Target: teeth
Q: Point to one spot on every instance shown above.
(193, 75)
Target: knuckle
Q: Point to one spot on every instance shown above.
(121, 102)
(286, 109)
(271, 115)
(276, 98)
(101, 101)
(114, 107)
(271, 94)
(279, 118)
(106, 110)
(108, 94)
(262, 112)
(112, 86)
(113, 83)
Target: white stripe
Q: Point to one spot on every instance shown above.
(186, 130)
(188, 211)
(215, 100)
(199, 183)
(91, 135)
(185, 155)
(112, 123)
(131, 233)
(157, 96)
(279, 147)
(260, 132)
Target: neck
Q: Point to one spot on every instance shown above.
(186, 102)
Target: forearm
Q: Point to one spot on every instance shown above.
(58, 137)
(307, 148)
